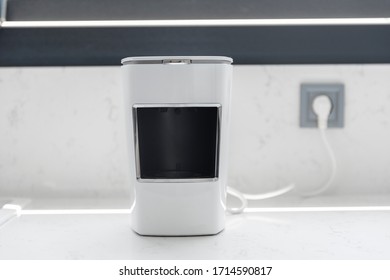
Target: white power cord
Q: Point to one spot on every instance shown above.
(244, 197)
(322, 106)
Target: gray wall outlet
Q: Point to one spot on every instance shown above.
(336, 94)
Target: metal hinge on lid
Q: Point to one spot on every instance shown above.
(177, 61)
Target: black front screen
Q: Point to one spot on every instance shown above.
(177, 142)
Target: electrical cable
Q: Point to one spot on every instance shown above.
(322, 107)
(236, 193)
(243, 197)
(333, 171)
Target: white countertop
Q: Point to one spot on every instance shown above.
(259, 235)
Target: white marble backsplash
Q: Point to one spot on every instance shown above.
(62, 131)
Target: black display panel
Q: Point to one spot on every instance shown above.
(177, 142)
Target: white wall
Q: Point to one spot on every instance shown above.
(271, 150)
(62, 131)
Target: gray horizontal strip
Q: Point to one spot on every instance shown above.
(174, 105)
(26, 10)
(246, 45)
(190, 180)
(176, 60)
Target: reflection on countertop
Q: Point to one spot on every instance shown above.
(333, 234)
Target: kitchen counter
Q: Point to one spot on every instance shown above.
(306, 233)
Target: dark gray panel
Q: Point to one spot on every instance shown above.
(193, 9)
(246, 45)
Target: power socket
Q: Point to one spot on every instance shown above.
(309, 92)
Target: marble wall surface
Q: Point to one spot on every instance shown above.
(62, 131)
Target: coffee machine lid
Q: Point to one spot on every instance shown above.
(177, 60)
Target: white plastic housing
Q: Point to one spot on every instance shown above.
(178, 207)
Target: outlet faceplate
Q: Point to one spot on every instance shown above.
(336, 94)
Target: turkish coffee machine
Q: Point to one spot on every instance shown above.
(177, 122)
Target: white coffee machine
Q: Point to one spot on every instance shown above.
(177, 121)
